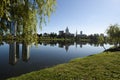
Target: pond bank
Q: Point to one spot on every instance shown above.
(104, 66)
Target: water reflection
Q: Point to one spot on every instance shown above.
(14, 48)
(14, 52)
(22, 57)
(25, 52)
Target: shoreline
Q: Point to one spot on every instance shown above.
(98, 66)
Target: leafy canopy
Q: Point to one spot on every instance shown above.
(25, 13)
(114, 33)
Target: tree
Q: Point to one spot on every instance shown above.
(101, 38)
(53, 35)
(25, 13)
(113, 33)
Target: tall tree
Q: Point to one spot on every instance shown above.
(25, 13)
(114, 33)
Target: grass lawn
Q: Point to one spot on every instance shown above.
(104, 66)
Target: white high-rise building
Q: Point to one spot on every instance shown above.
(67, 31)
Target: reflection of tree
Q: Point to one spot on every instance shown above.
(80, 45)
(61, 46)
(14, 48)
(45, 44)
(1, 43)
(25, 52)
(13, 53)
(48, 42)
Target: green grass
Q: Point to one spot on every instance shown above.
(104, 66)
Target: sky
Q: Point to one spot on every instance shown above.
(89, 16)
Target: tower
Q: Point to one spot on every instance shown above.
(67, 31)
(81, 33)
(76, 33)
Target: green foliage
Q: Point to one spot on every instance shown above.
(0, 37)
(3, 7)
(25, 13)
(114, 33)
(103, 66)
(45, 7)
(101, 38)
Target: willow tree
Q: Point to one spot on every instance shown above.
(3, 14)
(114, 33)
(25, 13)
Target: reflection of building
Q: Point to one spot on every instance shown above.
(67, 47)
(25, 52)
(13, 53)
(81, 45)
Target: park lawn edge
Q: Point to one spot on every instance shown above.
(103, 66)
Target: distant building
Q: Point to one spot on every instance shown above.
(76, 33)
(71, 35)
(81, 33)
(67, 31)
(61, 32)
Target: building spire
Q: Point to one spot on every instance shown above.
(67, 30)
(76, 33)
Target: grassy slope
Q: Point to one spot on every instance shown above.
(105, 66)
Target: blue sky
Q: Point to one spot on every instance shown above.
(89, 16)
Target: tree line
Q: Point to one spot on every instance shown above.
(113, 36)
(25, 14)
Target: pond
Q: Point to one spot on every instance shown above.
(19, 58)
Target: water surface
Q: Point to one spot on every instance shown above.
(19, 58)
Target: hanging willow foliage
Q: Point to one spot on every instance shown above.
(25, 13)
